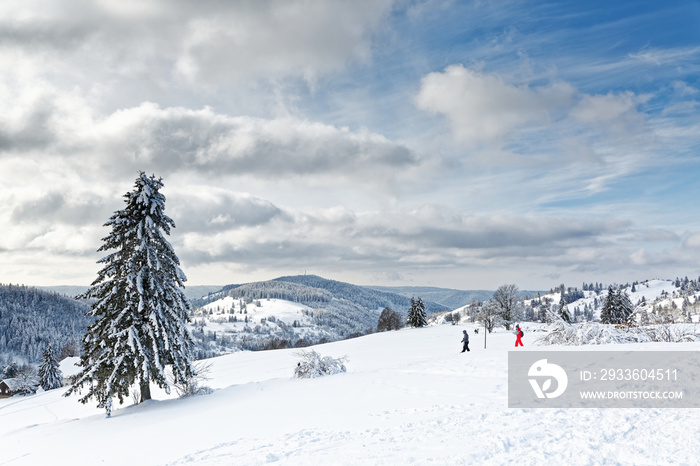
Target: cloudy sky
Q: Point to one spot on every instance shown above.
(462, 144)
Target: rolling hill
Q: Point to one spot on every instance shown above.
(291, 311)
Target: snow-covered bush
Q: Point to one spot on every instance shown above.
(600, 334)
(672, 333)
(25, 383)
(313, 365)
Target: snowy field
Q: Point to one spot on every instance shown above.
(409, 397)
(277, 309)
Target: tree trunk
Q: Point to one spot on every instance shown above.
(145, 388)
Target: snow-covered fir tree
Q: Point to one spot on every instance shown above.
(416, 314)
(50, 375)
(617, 308)
(139, 305)
(623, 307)
(608, 312)
(564, 311)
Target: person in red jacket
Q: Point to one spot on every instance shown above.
(518, 336)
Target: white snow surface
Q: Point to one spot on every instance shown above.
(408, 397)
(286, 311)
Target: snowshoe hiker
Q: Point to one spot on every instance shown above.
(465, 340)
(518, 335)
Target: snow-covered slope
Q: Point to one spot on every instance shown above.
(292, 311)
(657, 300)
(280, 309)
(230, 324)
(408, 397)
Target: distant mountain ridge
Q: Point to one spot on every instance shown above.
(192, 292)
(369, 297)
(364, 296)
(448, 297)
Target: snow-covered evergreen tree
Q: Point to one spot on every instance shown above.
(416, 314)
(607, 314)
(624, 307)
(50, 375)
(10, 370)
(563, 311)
(617, 308)
(139, 304)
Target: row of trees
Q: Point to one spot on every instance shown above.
(506, 308)
(617, 308)
(48, 376)
(391, 320)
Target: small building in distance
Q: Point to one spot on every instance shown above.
(13, 386)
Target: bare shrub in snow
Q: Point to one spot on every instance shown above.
(389, 320)
(600, 334)
(672, 333)
(136, 395)
(490, 316)
(193, 385)
(313, 365)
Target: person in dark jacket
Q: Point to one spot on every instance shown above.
(465, 340)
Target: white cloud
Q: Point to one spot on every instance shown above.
(667, 56)
(177, 139)
(50, 123)
(484, 108)
(209, 44)
(692, 241)
(613, 112)
(207, 209)
(683, 88)
(278, 38)
(639, 257)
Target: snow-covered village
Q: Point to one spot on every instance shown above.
(335, 232)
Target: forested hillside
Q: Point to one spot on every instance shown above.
(338, 308)
(323, 310)
(192, 292)
(31, 318)
(363, 296)
(342, 307)
(447, 297)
